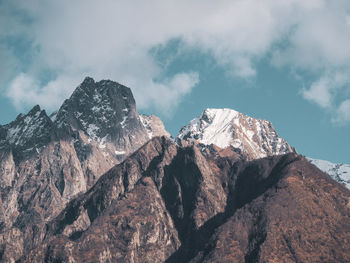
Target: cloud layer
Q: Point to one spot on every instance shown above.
(62, 41)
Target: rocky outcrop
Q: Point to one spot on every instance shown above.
(254, 138)
(105, 112)
(154, 126)
(167, 203)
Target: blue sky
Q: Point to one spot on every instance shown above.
(285, 61)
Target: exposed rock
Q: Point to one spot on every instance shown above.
(154, 126)
(170, 204)
(122, 218)
(284, 211)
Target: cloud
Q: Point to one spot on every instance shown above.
(343, 112)
(324, 90)
(113, 39)
(25, 91)
(169, 93)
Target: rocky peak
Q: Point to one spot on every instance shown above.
(100, 109)
(28, 131)
(154, 126)
(226, 127)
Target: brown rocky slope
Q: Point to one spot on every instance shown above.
(182, 204)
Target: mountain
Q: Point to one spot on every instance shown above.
(167, 203)
(226, 127)
(339, 172)
(45, 161)
(253, 138)
(97, 182)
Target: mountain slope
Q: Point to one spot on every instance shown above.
(226, 127)
(154, 126)
(167, 203)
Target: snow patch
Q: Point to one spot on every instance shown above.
(339, 172)
(122, 123)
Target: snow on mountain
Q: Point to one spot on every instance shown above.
(226, 127)
(153, 125)
(100, 109)
(339, 172)
(28, 132)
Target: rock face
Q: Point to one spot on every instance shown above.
(46, 161)
(154, 126)
(106, 112)
(339, 172)
(167, 203)
(226, 127)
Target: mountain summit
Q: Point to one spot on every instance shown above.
(104, 110)
(225, 127)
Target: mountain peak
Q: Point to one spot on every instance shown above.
(88, 80)
(226, 127)
(99, 108)
(34, 110)
(28, 131)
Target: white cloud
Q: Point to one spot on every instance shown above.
(343, 112)
(112, 39)
(168, 93)
(319, 92)
(324, 90)
(25, 90)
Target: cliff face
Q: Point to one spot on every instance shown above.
(167, 203)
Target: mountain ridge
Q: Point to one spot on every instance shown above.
(227, 127)
(245, 219)
(67, 176)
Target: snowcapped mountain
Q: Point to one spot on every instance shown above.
(339, 172)
(226, 127)
(95, 166)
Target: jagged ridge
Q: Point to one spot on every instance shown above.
(226, 127)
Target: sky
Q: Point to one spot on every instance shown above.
(284, 61)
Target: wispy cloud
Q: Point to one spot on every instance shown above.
(343, 112)
(325, 90)
(113, 39)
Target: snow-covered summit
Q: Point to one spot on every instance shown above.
(226, 127)
(339, 172)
